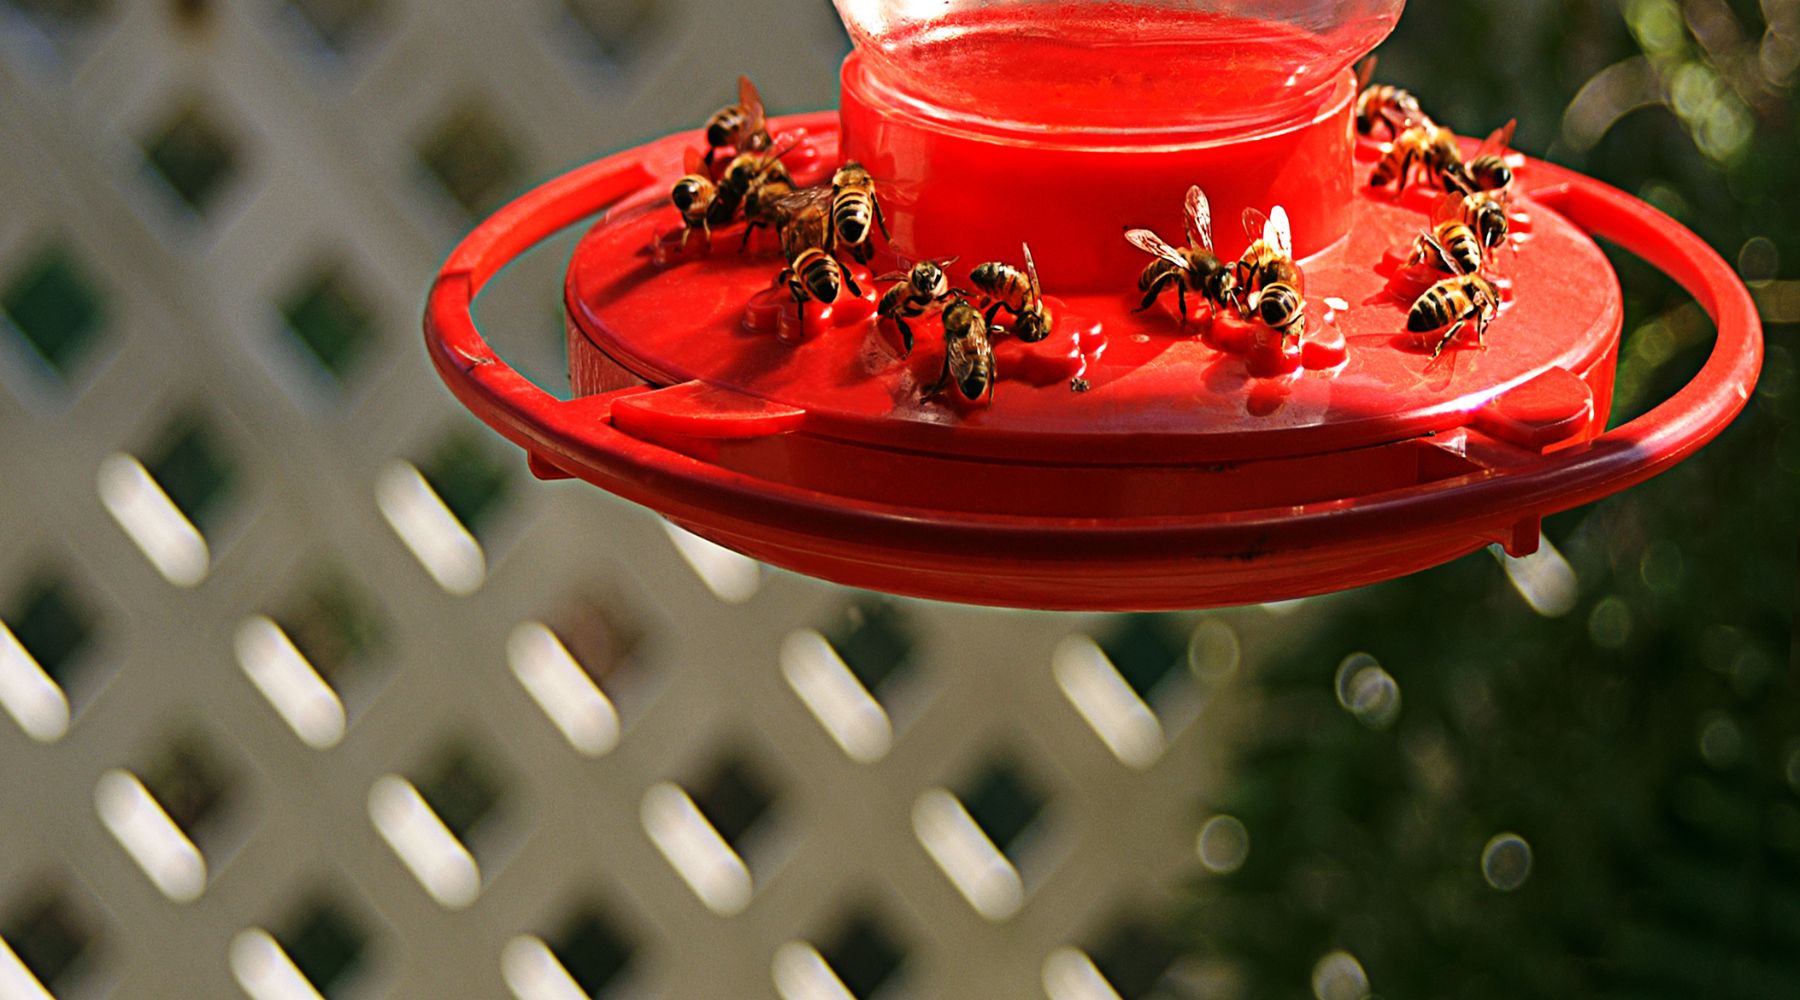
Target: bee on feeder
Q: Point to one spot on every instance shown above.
(1452, 247)
(1281, 308)
(744, 178)
(1428, 149)
(1455, 303)
(1196, 268)
(1488, 170)
(920, 289)
(776, 205)
(1379, 104)
(694, 196)
(1268, 260)
(815, 275)
(969, 367)
(812, 273)
(1004, 286)
(740, 126)
(1483, 211)
(855, 211)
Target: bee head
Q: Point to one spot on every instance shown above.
(1033, 326)
(685, 194)
(928, 279)
(1222, 284)
(1493, 225)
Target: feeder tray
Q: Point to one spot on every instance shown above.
(1203, 465)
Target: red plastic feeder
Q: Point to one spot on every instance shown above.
(1205, 463)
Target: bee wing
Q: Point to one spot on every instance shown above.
(1498, 143)
(1279, 234)
(1031, 271)
(893, 276)
(1199, 218)
(1449, 207)
(1154, 245)
(1365, 74)
(752, 103)
(692, 161)
(1256, 224)
(947, 263)
(799, 201)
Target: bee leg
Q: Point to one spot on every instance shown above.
(1449, 337)
(1181, 301)
(880, 221)
(744, 244)
(1151, 294)
(993, 312)
(938, 386)
(906, 335)
(850, 284)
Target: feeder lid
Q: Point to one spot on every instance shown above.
(1156, 393)
(1265, 61)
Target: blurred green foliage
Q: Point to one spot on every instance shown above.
(1646, 743)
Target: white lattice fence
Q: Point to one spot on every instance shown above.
(307, 683)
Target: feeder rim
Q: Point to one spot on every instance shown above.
(577, 435)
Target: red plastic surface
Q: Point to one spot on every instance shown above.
(1069, 193)
(1158, 392)
(1057, 534)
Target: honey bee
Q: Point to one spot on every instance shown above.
(745, 174)
(1196, 268)
(1488, 170)
(1425, 148)
(694, 196)
(925, 285)
(855, 211)
(1482, 211)
(1455, 303)
(816, 275)
(1380, 105)
(1004, 286)
(1282, 308)
(1452, 246)
(775, 204)
(740, 126)
(968, 354)
(1268, 260)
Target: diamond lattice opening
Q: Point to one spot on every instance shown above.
(734, 798)
(594, 951)
(54, 306)
(191, 468)
(49, 619)
(193, 786)
(875, 642)
(617, 29)
(1004, 802)
(327, 945)
(1134, 956)
(194, 156)
(864, 955)
(48, 934)
(469, 154)
(1146, 650)
(331, 318)
(469, 478)
(337, 23)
